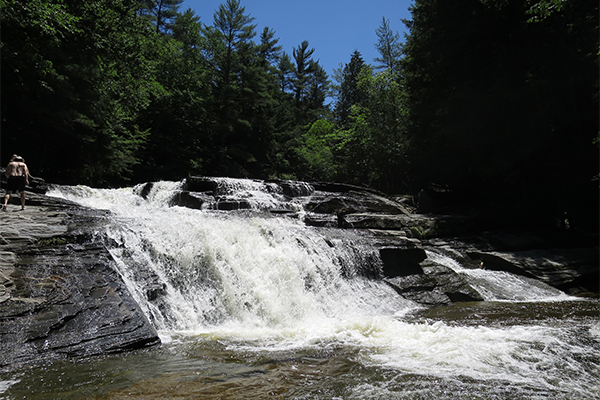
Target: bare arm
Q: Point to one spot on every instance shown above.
(26, 174)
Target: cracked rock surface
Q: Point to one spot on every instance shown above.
(59, 295)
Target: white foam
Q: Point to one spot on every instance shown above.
(501, 285)
(6, 384)
(273, 284)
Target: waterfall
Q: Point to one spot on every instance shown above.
(192, 270)
(263, 284)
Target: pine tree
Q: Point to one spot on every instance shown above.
(389, 47)
(160, 12)
(349, 94)
(303, 68)
(285, 72)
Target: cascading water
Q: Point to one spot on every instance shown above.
(500, 285)
(284, 303)
(197, 270)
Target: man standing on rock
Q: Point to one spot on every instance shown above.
(17, 174)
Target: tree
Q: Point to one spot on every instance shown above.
(162, 13)
(310, 85)
(285, 71)
(79, 73)
(179, 121)
(317, 149)
(236, 30)
(317, 88)
(372, 149)
(303, 68)
(349, 94)
(233, 51)
(497, 99)
(389, 47)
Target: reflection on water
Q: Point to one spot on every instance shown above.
(545, 350)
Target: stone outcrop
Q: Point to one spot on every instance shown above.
(571, 270)
(59, 295)
(437, 285)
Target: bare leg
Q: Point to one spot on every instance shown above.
(6, 197)
(22, 200)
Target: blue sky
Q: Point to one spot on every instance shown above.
(334, 28)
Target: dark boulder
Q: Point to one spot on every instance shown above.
(192, 200)
(144, 189)
(353, 202)
(437, 285)
(401, 261)
(572, 270)
(228, 204)
(200, 184)
(60, 295)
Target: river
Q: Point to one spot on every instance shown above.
(251, 306)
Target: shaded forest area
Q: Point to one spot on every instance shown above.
(489, 102)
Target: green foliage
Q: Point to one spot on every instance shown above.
(51, 242)
(317, 149)
(389, 47)
(372, 148)
(496, 92)
(543, 9)
(82, 102)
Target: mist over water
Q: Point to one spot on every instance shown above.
(271, 294)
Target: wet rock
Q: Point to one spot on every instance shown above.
(572, 270)
(232, 204)
(320, 220)
(200, 184)
(59, 293)
(437, 285)
(192, 200)
(145, 189)
(377, 221)
(353, 202)
(399, 261)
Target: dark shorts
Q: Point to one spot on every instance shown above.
(15, 184)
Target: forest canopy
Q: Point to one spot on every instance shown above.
(482, 97)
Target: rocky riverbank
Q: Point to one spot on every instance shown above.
(60, 295)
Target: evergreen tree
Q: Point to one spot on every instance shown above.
(389, 47)
(233, 52)
(162, 13)
(502, 98)
(303, 68)
(179, 122)
(285, 71)
(317, 87)
(349, 94)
